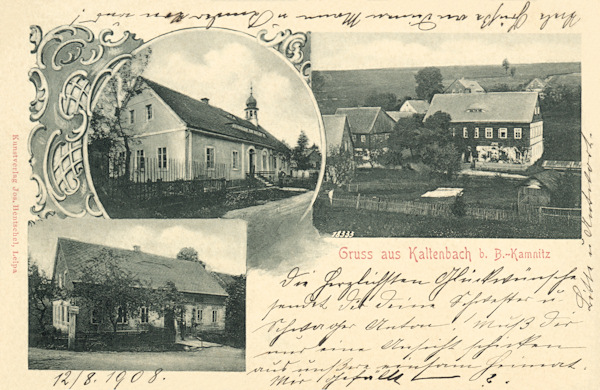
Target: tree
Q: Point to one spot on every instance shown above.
(505, 65)
(443, 159)
(429, 82)
(459, 207)
(567, 193)
(378, 150)
(235, 312)
(189, 254)
(340, 166)
(41, 292)
(404, 137)
(513, 71)
(111, 290)
(108, 127)
(299, 154)
(387, 101)
(439, 121)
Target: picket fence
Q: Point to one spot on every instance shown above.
(533, 214)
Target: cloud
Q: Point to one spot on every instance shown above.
(224, 74)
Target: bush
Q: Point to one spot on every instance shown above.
(459, 208)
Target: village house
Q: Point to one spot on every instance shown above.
(204, 295)
(415, 106)
(464, 86)
(536, 85)
(370, 127)
(337, 133)
(409, 108)
(177, 137)
(499, 127)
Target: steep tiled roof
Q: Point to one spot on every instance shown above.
(396, 115)
(188, 276)
(471, 84)
(334, 129)
(361, 119)
(420, 106)
(486, 107)
(202, 116)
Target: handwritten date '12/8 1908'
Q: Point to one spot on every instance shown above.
(68, 379)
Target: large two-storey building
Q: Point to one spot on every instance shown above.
(177, 137)
(497, 127)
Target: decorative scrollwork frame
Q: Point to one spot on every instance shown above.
(72, 66)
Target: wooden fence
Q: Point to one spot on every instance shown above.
(143, 191)
(537, 214)
(146, 169)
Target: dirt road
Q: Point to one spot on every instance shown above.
(277, 236)
(208, 359)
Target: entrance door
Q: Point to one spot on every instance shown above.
(170, 325)
(251, 162)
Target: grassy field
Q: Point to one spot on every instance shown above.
(490, 192)
(366, 223)
(347, 88)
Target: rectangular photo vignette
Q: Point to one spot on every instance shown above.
(137, 295)
(433, 142)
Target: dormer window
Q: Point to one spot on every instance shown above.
(475, 110)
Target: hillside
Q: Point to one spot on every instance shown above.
(348, 88)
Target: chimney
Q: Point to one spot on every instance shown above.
(137, 248)
(204, 100)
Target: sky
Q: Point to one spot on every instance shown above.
(334, 51)
(221, 65)
(220, 243)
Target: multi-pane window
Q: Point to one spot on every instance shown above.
(235, 160)
(210, 158)
(465, 132)
(149, 112)
(214, 316)
(489, 132)
(264, 161)
(476, 135)
(363, 138)
(354, 138)
(518, 133)
(162, 157)
(502, 132)
(140, 160)
(131, 117)
(121, 315)
(144, 315)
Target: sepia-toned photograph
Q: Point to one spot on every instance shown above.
(137, 294)
(428, 139)
(201, 122)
